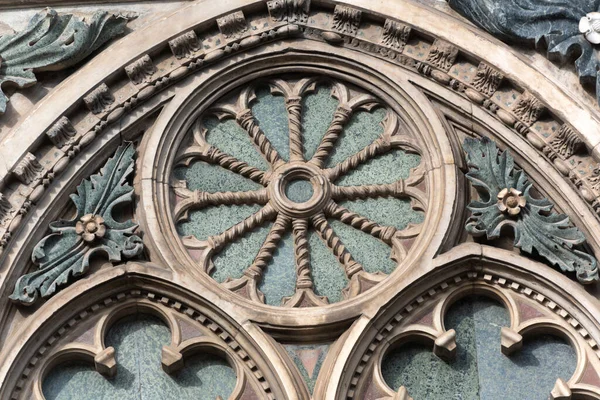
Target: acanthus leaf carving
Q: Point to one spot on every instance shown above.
(66, 252)
(291, 11)
(506, 200)
(52, 42)
(141, 71)
(99, 99)
(346, 19)
(29, 170)
(528, 108)
(6, 210)
(62, 132)
(487, 79)
(395, 34)
(442, 55)
(233, 24)
(185, 45)
(566, 142)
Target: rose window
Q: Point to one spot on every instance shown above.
(299, 192)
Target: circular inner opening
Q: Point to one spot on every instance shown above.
(299, 190)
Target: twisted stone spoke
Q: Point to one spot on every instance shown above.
(265, 254)
(357, 221)
(294, 108)
(396, 189)
(197, 199)
(340, 119)
(247, 121)
(379, 146)
(235, 232)
(351, 266)
(302, 254)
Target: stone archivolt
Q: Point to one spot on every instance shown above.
(399, 63)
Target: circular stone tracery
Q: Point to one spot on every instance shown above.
(285, 167)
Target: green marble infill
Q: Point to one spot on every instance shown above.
(279, 279)
(317, 113)
(362, 129)
(328, 274)
(212, 178)
(299, 190)
(138, 341)
(387, 168)
(386, 211)
(309, 359)
(272, 117)
(480, 370)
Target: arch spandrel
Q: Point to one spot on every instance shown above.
(441, 83)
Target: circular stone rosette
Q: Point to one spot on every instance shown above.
(299, 192)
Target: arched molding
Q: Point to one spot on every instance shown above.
(561, 309)
(73, 325)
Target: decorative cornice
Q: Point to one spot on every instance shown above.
(232, 25)
(62, 132)
(65, 253)
(53, 42)
(184, 46)
(141, 71)
(505, 200)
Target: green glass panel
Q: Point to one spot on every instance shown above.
(372, 253)
(388, 211)
(317, 113)
(271, 113)
(328, 274)
(299, 190)
(480, 370)
(230, 138)
(280, 276)
(362, 129)
(387, 168)
(138, 341)
(213, 178)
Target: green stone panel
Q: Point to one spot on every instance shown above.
(387, 168)
(280, 277)
(362, 129)
(271, 113)
(138, 341)
(308, 359)
(230, 138)
(215, 220)
(387, 211)
(328, 273)
(372, 253)
(480, 370)
(318, 110)
(213, 178)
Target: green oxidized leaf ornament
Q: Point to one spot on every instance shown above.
(505, 200)
(65, 253)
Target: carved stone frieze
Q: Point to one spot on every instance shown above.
(29, 170)
(233, 24)
(99, 100)
(505, 200)
(62, 132)
(395, 34)
(65, 253)
(566, 143)
(292, 11)
(184, 46)
(141, 71)
(346, 20)
(487, 80)
(442, 55)
(528, 108)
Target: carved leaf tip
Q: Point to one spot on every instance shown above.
(53, 42)
(65, 253)
(505, 200)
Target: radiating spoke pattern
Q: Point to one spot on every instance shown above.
(197, 191)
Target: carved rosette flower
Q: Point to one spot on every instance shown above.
(505, 200)
(510, 201)
(312, 214)
(65, 253)
(90, 227)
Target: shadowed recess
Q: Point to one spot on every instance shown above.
(138, 341)
(271, 114)
(480, 370)
(362, 130)
(232, 139)
(317, 114)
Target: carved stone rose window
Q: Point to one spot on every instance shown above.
(284, 176)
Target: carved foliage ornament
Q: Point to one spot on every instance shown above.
(66, 252)
(568, 27)
(505, 199)
(52, 42)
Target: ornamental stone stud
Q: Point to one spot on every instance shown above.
(510, 201)
(90, 227)
(590, 27)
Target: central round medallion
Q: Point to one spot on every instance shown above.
(299, 190)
